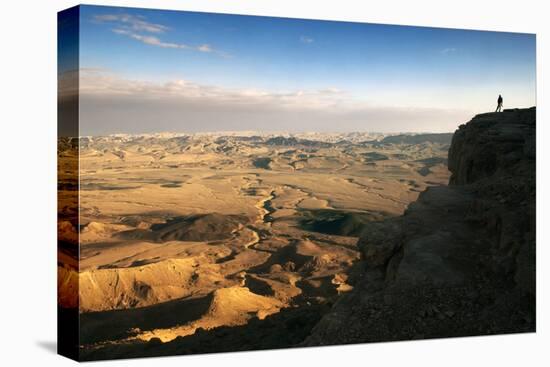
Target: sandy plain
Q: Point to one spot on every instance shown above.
(184, 233)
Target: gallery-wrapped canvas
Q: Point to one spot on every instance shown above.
(231, 183)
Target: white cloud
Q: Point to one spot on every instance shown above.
(111, 104)
(306, 39)
(135, 27)
(205, 48)
(132, 22)
(448, 50)
(101, 82)
(150, 40)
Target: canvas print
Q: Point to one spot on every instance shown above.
(233, 183)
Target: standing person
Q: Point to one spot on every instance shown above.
(499, 104)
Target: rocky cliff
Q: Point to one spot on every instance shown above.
(461, 260)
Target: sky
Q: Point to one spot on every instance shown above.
(155, 70)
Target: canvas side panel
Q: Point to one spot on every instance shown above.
(67, 180)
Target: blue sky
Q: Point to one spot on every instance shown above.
(350, 67)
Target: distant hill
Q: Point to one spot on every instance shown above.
(292, 141)
(444, 138)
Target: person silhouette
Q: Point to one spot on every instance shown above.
(499, 104)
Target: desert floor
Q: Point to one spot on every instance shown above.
(181, 234)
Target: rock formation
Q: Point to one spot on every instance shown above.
(461, 260)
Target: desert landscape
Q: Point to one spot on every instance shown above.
(185, 233)
(231, 183)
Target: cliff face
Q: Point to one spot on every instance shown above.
(494, 155)
(494, 146)
(461, 260)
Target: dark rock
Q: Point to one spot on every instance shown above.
(461, 260)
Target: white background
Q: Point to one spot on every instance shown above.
(28, 182)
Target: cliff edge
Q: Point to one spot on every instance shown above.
(461, 260)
